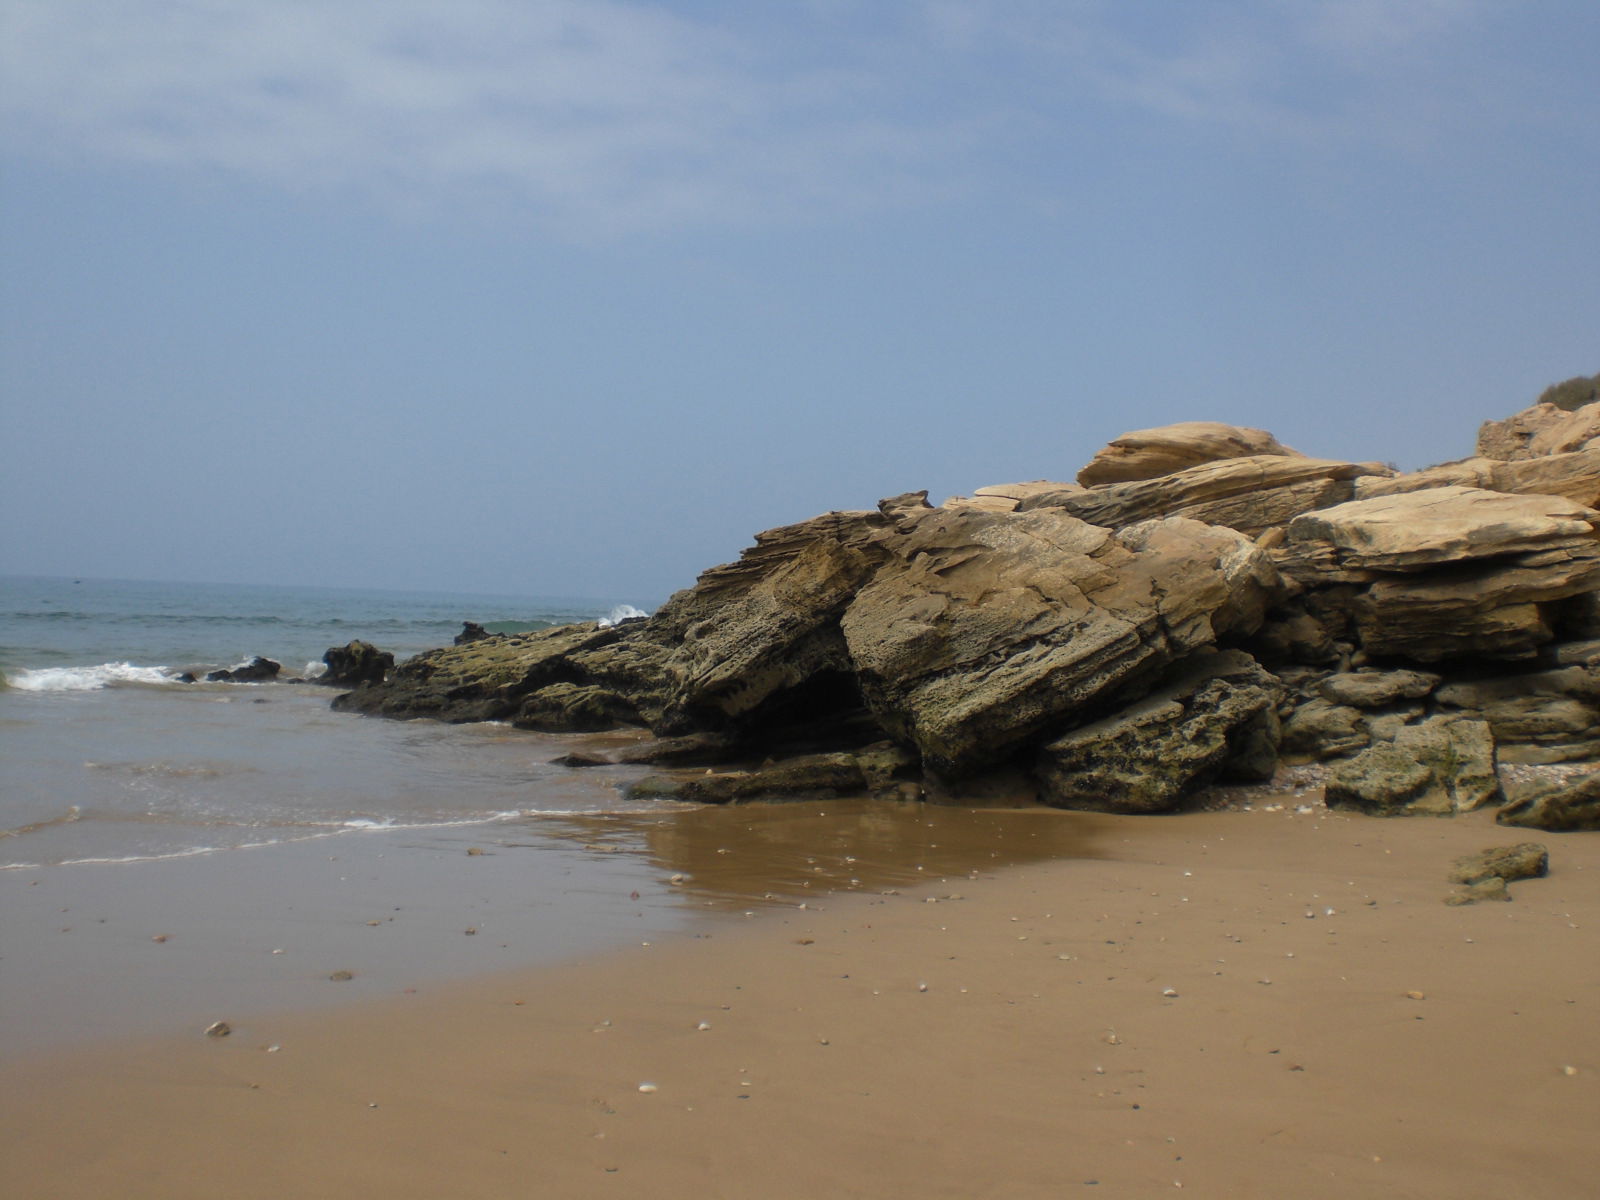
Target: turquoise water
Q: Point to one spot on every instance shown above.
(108, 758)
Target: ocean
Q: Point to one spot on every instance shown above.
(108, 757)
(172, 853)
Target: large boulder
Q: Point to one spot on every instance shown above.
(1250, 494)
(257, 670)
(1563, 806)
(1149, 453)
(1216, 710)
(986, 630)
(355, 664)
(1440, 767)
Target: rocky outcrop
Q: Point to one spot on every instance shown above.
(1566, 806)
(355, 664)
(1203, 601)
(1151, 453)
(1215, 716)
(471, 632)
(257, 670)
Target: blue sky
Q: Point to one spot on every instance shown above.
(573, 296)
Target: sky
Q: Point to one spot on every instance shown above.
(572, 297)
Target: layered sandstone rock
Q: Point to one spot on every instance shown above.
(1249, 494)
(1151, 453)
(984, 631)
(1542, 429)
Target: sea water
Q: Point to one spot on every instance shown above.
(172, 853)
(107, 756)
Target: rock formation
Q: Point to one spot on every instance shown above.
(1201, 602)
(257, 670)
(355, 664)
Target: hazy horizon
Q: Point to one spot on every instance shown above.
(572, 297)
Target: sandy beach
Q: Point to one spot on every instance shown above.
(1264, 1003)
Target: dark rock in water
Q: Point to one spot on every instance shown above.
(187, 677)
(878, 770)
(576, 758)
(471, 632)
(1525, 860)
(257, 670)
(355, 664)
(1150, 756)
(1440, 767)
(1566, 807)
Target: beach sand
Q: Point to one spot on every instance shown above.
(1237, 1004)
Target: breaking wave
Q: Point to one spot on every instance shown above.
(86, 679)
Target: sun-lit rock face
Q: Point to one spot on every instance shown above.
(1150, 453)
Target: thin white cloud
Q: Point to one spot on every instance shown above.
(1308, 70)
(595, 114)
(603, 115)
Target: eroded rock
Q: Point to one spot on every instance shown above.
(1216, 709)
(986, 630)
(1442, 766)
(1251, 494)
(1566, 806)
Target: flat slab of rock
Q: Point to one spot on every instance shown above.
(1574, 476)
(1149, 453)
(1250, 494)
(879, 770)
(1415, 530)
(1376, 689)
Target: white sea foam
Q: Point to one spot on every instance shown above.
(85, 679)
(621, 613)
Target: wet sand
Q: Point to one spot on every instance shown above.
(1054, 1004)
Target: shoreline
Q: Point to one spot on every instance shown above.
(1042, 1057)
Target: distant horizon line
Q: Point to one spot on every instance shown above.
(565, 598)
